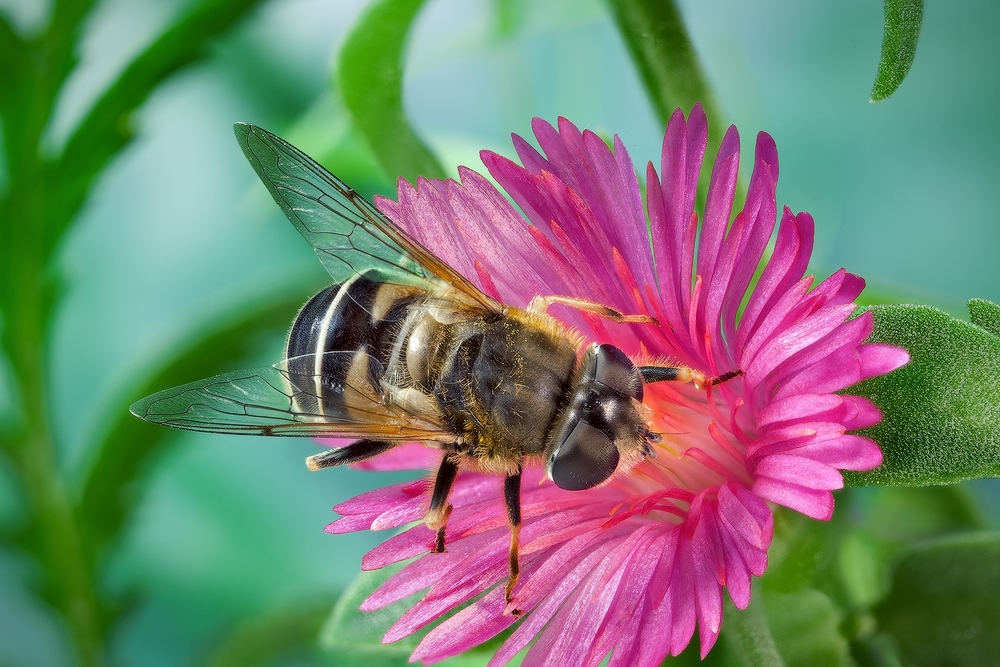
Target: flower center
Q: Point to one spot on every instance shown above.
(701, 448)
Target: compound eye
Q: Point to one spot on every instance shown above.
(586, 458)
(616, 370)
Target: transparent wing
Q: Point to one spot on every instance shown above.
(294, 398)
(349, 234)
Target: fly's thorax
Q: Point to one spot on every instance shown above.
(501, 381)
(602, 429)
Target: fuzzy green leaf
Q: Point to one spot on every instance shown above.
(986, 314)
(371, 83)
(941, 419)
(899, 45)
(942, 608)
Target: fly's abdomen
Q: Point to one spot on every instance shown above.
(357, 322)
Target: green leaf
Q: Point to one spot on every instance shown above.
(107, 127)
(805, 626)
(129, 443)
(804, 551)
(861, 566)
(371, 83)
(904, 515)
(941, 419)
(899, 45)
(12, 53)
(748, 632)
(798, 628)
(279, 635)
(508, 16)
(942, 608)
(986, 314)
(356, 636)
(654, 33)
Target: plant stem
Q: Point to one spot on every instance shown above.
(53, 530)
(26, 290)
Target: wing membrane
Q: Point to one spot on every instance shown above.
(349, 234)
(286, 400)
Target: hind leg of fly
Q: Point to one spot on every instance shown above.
(439, 510)
(512, 498)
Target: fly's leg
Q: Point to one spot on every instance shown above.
(684, 374)
(439, 511)
(540, 304)
(725, 377)
(512, 498)
(679, 374)
(352, 453)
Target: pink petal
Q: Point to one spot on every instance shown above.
(750, 531)
(467, 629)
(657, 622)
(785, 268)
(848, 452)
(859, 412)
(682, 598)
(533, 623)
(797, 408)
(838, 370)
(815, 503)
(737, 579)
(795, 339)
(620, 627)
(846, 336)
(718, 206)
(709, 572)
(879, 359)
(477, 571)
(806, 472)
(416, 541)
(760, 216)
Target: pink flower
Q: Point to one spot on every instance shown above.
(633, 566)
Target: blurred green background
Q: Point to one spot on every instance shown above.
(225, 533)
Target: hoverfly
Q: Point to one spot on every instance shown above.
(402, 348)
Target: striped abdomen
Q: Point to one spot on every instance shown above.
(339, 324)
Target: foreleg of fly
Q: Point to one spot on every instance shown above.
(684, 374)
(512, 498)
(439, 511)
(352, 453)
(540, 304)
